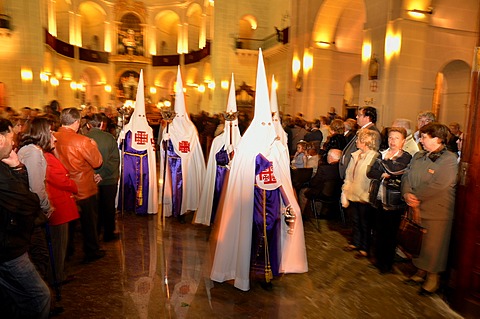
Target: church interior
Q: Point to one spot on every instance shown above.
(400, 56)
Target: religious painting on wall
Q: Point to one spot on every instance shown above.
(130, 36)
(127, 85)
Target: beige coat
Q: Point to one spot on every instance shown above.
(356, 185)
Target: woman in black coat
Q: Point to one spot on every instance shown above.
(386, 197)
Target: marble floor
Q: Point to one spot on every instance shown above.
(163, 272)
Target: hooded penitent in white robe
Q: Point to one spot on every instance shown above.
(234, 243)
(139, 179)
(277, 123)
(182, 137)
(225, 142)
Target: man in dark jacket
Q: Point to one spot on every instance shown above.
(366, 118)
(23, 293)
(106, 176)
(326, 183)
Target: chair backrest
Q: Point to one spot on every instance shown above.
(332, 189)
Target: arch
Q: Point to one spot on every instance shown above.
(62, 16)
(192, 76)
(165, 81)
(93, 19)
(91, 78)
(452, 90)
(246, 30)
(166, 25)
(340, 22)
(194, 19)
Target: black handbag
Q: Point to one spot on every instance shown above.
(410, 237)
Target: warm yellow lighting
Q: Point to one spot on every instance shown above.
(67, 78)
(80, 87)
(108, 88)
(129, 104)
(323, 44)
(73, 85)
(366, 51)
(54, 81)
(201, 88)
(417, 13)
(224, 84)
(43, 77)
(27, 74)
(184, 90)
(153, 90)
(211, 85)
(296, 65)
(251, 20)
(275, 85)
(393, 44)
(167, 103)
(307, 61)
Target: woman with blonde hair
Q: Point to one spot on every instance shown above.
(355, 190)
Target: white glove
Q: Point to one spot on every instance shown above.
(344, 200)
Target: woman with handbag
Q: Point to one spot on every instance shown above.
(386, 173)
(428, 187)
(355, 191)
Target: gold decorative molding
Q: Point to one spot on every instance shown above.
(135, 6)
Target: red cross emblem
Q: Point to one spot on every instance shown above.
(184, 146)
(267, 176)
(141, 137)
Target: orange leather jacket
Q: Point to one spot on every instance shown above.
(80, 155)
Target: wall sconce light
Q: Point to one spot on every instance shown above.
(211, 85)
(153, 90)
(108, 88)
(201, 88)
(27, 74)
(307, 61)
(324, 44)
(418, 13)
(224, 84)
(296, 65)
(54, 81)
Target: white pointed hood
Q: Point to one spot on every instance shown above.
(138, 119)
(260, 134)
(231, 107)
(277, 123)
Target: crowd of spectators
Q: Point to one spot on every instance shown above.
(336, 151)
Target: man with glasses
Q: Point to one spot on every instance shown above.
(366, 118)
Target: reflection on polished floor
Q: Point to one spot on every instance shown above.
(156, 272)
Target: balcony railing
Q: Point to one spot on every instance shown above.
(280, 37)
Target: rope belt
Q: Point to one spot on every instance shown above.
(140, 186)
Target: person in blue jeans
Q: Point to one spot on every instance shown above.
(23, 293)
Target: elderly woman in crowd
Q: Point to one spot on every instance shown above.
(386, 173)
(428, 187)
(336, 139)
(355, 190)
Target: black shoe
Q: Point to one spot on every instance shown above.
(268, 286)
(55, 311)
(99, 254)
(113, 237)
(181, 219)
(426, 293)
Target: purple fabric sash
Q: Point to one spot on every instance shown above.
(273, 214)
(132, 159)
(222, 161)
(175, 165)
